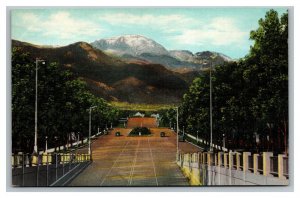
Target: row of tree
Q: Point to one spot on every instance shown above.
(63, 105)
(249, 97)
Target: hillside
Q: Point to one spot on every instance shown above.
(111, 77)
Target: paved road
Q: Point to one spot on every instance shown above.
(134, 161)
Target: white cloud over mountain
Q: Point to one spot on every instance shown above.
(59, 24)
(162, 22)
(220, 31)
(184, 29)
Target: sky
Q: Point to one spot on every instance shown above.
(224, 30)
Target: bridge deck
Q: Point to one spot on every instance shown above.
(135, 161)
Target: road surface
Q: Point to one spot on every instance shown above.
(134, 161)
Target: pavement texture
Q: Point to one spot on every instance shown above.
(134, 161)
(141, 122)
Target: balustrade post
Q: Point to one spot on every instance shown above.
(255, 163)
(23, 169)
(190, 161)
(225, 160)
(69, 159)
(27, 160)
(209, 160)
(199, 158)
(216, 159)
(56, 166)
(220, 160)
(230, 156)
(47, 170)
(266, 163)
(63, 163)
(246, 161)
(37, 170)
(280, 166)
(239, 166)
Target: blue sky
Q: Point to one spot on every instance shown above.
(224, 30)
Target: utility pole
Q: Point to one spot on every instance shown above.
(90, 129)
(77, 139)
(177, 129)
(46, 144)
(35, 148)
(210, 106)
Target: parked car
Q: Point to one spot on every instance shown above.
(181, 138)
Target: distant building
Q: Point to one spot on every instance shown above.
(138, 114)
(155, 115)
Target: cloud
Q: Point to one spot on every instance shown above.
(178, 29)
(60, 24)
(168, 23)
(184, 29)
(218, 32)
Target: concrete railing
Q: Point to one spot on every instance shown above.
(46, 169)
(234, 168)
(70, 145)
(218, 147)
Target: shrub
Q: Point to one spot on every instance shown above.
(136, 131)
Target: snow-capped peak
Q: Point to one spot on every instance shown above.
(130, 44)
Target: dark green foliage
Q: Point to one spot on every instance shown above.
(249, 96)
(136, 131)
(63, 101)
(167, 118)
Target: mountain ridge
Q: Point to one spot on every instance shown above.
(112, 78)
(141, 48)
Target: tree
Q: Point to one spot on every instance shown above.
(270, 56)
(63, 101)
(250, 96)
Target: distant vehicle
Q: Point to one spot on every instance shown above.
(118, 133)
(181, 138)
(162, 134)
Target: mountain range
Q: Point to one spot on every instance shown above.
(140, 48)
(112, 78)
(131, 69)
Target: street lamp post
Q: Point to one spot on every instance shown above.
(210, 105)
(35, 148)
(55, 138)
(177, 128)
(197, 136)
(77, 139)
(270, 126)
(224, 141)
(46, 145)
(90, 128)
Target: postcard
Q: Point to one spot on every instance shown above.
(152, 97)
